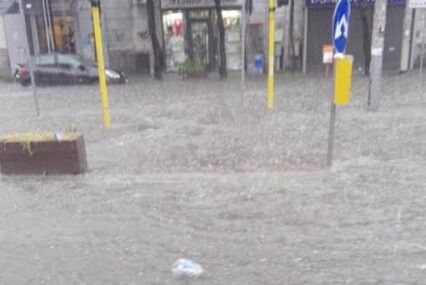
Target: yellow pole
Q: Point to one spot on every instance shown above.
(271, 53)
(101, 66)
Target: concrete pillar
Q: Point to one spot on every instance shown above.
(378, 39)
(406, 38)
(418, 30)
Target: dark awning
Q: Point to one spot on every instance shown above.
(9, 7)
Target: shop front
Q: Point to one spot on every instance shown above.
(191, 33)
(63, 24)
(318, 17)
(54, 25)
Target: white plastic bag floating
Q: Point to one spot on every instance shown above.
(187, 268)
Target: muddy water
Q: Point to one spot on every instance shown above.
(207, 174)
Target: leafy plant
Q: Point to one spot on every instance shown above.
(5, 75)
(71, 129)
(26, 147)
(189, 67)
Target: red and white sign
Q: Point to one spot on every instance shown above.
(327, 54)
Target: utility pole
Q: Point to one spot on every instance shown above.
(422, 57)
(377, 47)
(243, 42)
(271, 54)
(30, 60)
(47, 26)
(101, 64)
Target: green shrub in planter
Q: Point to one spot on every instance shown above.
(5, 75)
(190, 67)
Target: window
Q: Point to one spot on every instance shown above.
(68, 61)
(46, 60)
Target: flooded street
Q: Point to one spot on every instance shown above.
(204, 171)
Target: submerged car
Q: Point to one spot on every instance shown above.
(65, 69)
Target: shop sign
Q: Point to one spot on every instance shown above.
(417, 4)
(187, 4)
(341, 19)
(331, 3)
(327, 54)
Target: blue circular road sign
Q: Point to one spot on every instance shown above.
(341, 17)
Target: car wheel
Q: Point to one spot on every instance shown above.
(25, 82)
(79, 81)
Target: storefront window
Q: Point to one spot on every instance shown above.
(232, 20)
(174, 39)
(202, 44)
(63, 28)
(63, 25)
(41, 34)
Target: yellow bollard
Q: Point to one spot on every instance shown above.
(341, 96)
(271, 54)
(101, 65)
(343, 80)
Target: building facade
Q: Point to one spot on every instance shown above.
(4, 57)
(318, 32)
(6, 8)
(126, 35)
(188, 30)
(59, 25)
(63, 26)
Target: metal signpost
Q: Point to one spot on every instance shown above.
(271, 54)
(422, 58)
(30, 61)
(101, 64)
(343, 67)
(243, 42)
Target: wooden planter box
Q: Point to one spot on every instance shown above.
(24, 155)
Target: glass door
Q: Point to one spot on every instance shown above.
(200, 41)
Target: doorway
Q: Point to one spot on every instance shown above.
(200, 38)
(200, 41)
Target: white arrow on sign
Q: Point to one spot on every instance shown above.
(342, 28)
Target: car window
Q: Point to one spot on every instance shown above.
(68, 61)
(86, 61)
(45, 60)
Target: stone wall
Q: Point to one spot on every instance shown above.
(126, 33)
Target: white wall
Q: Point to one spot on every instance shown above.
(3, 44)
(84, 29)
(4, 56)
(405, 48)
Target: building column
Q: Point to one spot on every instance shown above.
(406, 38)
(417, 36)
(305, 40)
(34, 35)
(377, 48)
